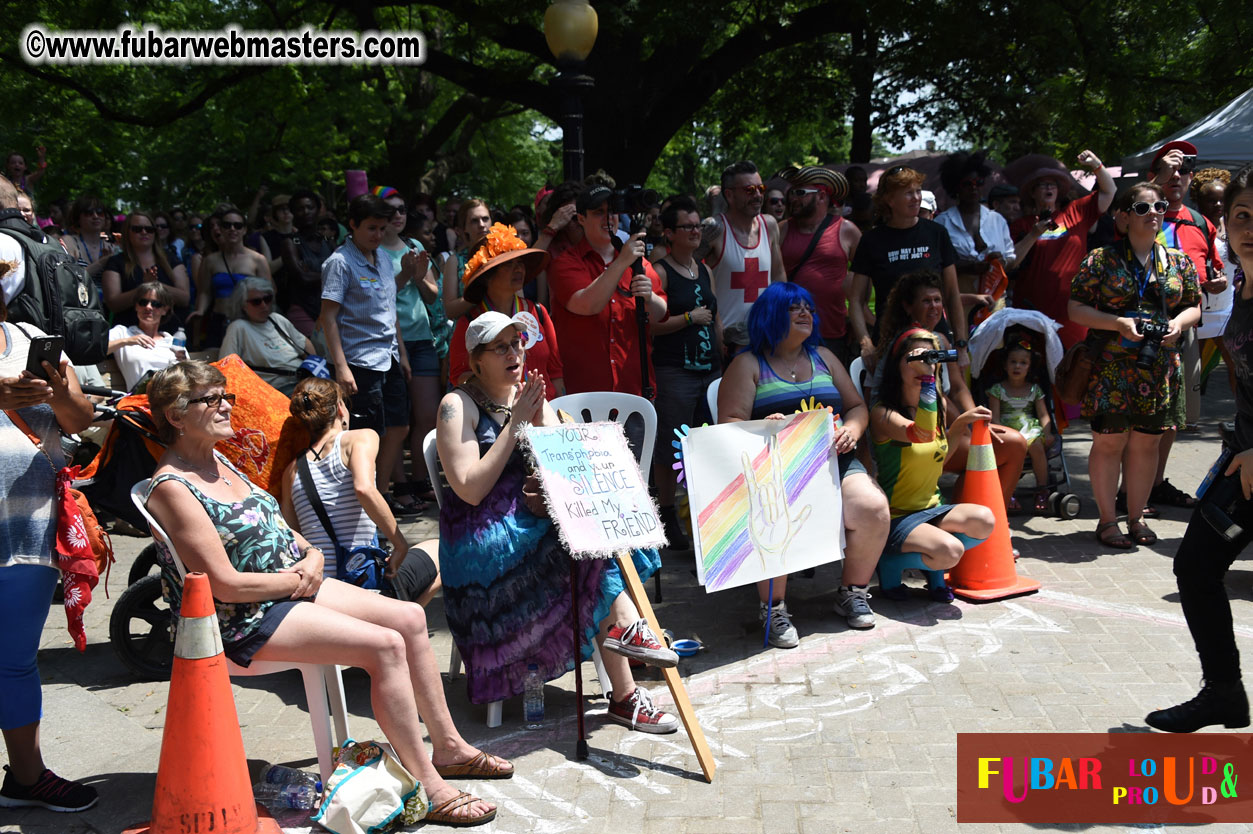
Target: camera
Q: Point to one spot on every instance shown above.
(1189, 164)
(1152, 332)
(633, 200)
(932, 357)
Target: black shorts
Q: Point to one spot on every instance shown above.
(382, 398)
(416, 574)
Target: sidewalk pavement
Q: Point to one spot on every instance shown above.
(852, 731)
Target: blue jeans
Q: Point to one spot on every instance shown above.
(25, 599)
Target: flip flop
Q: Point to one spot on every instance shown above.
(481, 766)
(1141, 534)
(1119, 541)
(445, 812)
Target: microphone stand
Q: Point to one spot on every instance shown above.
(641, 322)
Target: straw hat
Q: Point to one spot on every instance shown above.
(1025, 171)
(833, 182)
(501, 245)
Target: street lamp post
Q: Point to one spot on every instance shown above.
(570, 29)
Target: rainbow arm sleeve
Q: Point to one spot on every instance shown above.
(922, 430)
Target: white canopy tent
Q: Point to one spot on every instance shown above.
(1223, 139)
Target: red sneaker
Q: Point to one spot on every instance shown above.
(639, 712)
(638, 641)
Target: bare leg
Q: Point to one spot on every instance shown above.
(1141, 463)
(390, 444)
(1104, 462)
(621, 612)
(423, 400)
(1167, 439)
(1039, 463)
(939, 548)
(866, 521)
(780, 590)
(26, 761)
(664, 478)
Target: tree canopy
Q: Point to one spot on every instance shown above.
(681, 89)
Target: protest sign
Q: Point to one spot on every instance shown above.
(594, 490)
(765, 498)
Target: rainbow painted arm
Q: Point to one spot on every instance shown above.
(922, 429)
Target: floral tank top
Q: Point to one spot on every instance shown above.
(257, 540)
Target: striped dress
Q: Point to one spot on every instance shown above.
(507, 585)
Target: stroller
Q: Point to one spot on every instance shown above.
(987, 347)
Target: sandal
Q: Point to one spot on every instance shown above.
(1042, 501)
(1119, 541)
(1013, 507)
(1120, 506)
(1141, 533)
(481, 766)
(446, 812)
(402, 509)
(1171, 495)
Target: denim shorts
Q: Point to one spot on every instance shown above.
(382, 398)
(423, 360)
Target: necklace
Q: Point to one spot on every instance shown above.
(690, 270)
(796, 362)
(193, 468)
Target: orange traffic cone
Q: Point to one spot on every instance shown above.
(986, 571)
(202, 778)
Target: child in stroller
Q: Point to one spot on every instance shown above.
(1018, 401)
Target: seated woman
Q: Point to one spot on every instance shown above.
(917, 300)
(140, 261)
(911, 449)
(506, 576)
(784, 366)
(273, 602)
(341, 466)
(222, 269)
(144, 346)
(267, 341)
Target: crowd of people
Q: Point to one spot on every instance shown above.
(398, 316)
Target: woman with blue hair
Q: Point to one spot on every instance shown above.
(784, 366)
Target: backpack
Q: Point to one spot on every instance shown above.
(58, 297)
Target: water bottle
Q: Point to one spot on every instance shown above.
(533, 698)
(286, 787)
(180, 343)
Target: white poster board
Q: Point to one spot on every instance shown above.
(765, 498)
(593, 488)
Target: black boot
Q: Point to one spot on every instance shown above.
(674, 529)
(1217, 703)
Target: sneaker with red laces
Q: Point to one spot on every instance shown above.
(50, 791)
(637, 641)
(638, 712)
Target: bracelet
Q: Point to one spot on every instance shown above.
(688, 317)
(1098, 168)
(304, 554)
(548, 230)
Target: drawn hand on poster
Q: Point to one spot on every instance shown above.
(771, 525)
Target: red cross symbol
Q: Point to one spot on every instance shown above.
(752, 280)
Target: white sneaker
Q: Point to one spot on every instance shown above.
(852, 602)
(783, 634)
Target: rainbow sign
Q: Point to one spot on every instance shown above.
(765, 498)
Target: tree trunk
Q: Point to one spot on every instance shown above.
(865, 48)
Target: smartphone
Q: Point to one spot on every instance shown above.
(44, 348)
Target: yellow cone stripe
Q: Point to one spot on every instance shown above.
(198, 638)
(981, 459)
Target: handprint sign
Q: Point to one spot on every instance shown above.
(771, 524)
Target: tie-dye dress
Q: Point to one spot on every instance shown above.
(507, 584)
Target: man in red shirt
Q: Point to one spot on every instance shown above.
(593, 295)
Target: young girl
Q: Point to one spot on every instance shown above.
(1018, 402)
(910, 448)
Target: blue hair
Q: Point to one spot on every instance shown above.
(769, 320)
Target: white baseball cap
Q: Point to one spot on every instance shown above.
(489, 325)
(928, 201)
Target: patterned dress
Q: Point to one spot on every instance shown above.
(1019, 412)
(1108, 282)
(507, 584)
(256, 539)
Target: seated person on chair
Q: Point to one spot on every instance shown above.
(784, 366)
(144, 346)
(911, 448)
(341, 466)
(507, 579)
(267, 341)
(273, 603)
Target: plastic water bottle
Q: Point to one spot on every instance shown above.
(533, 698)
(286, 787)
(180, 343)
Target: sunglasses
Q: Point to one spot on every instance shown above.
(1142, 208)
(777, 201)
(401, 209)
(801, 192)
(97, 212)
(750, 190)
(150, 302)
(198, 226)
(213, 400)
(231, 224)
(257, 302)
(891, 172)
(143, 230)
(162, 226)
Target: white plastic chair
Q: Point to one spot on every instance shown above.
(711, 397)
(495, 710)
(324, 686)
(857, 370)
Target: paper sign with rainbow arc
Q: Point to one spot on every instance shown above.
(783, 517)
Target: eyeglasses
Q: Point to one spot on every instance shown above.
(776, 201)
(401, 209)
(687, 227)
(891, 172)
(150, 302)
(507, 348)
(263, 299)
(231, 224)
(798, 307)
(197, 226)
(1142, 208)
(750, 190)
(163, 225)
(213, 400)
(801, 192)
(98, 212)
(143, 230)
